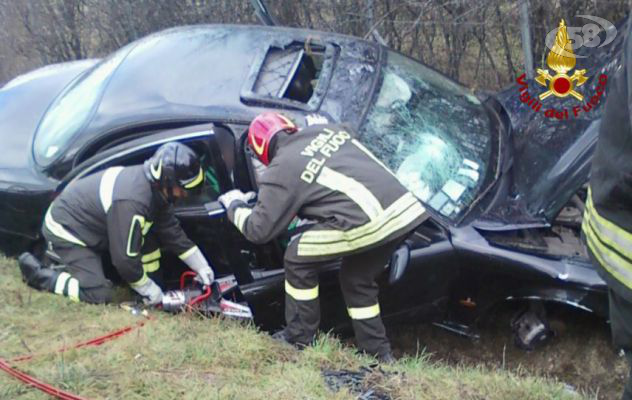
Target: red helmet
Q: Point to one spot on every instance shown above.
(262, 130)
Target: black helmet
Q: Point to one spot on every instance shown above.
(174, 164)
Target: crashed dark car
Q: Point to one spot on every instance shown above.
(504, 186)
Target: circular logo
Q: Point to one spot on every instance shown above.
(561, 86)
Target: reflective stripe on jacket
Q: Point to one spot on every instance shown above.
(113, 210)
(323, 173)
(610, 244)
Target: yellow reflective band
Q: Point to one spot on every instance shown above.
(364, 312)
(301, 294)
(351, 188)
(153, 256)
(611, 261)
(58, 230)
(73, 289)
(400, 205)
(106, 187)
(611, 234)
(187, 253)
(259, 148)
(368, 153)
(241, 215)
(396, 217)
(344, 244)
(143, 280)
(614, 263)
(155, 172)
(151, 266)
(136, 220)
(147, 227)
(287, 121)
(198, 179)
(60, 284)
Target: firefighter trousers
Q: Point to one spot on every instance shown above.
(621, 328)
(83, 277)
(358, 274)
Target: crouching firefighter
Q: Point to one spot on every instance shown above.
(127, 211)
(361, 211)
(607, 224)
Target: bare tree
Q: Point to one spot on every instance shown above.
(474, 41)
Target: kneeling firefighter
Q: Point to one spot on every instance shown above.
(127, 211)
(361, 210)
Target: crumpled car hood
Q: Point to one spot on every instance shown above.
(551, 157)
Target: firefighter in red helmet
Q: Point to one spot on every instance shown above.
(362, 213)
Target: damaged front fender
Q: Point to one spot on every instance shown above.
(593, 301)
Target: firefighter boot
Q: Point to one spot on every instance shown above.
(386, 358)
(35, 275)
(282, 337)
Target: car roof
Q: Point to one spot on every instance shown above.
(196, 73)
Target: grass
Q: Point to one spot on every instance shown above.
(187, 357)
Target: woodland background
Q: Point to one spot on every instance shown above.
(477, 42)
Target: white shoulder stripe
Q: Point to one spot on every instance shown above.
(106, 188)
(373, 157)
(354, 190)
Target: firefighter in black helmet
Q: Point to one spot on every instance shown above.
(607, 224)
(322, 173)
(128, 212)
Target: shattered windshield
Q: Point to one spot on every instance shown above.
(434, 134)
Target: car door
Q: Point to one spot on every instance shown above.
(204, 218)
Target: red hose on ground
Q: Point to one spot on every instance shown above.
(63, 395)
(92, 342)
(51, 390)
(44, 387)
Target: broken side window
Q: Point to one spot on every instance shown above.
(294, 76)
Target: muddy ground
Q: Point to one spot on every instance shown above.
(580, 354)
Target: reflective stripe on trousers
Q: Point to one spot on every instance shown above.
(68, 286)
(358, 313)
(58, 230)
(301, 294)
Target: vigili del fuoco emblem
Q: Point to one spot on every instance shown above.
(561, 59)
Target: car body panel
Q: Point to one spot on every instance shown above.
(23, 101)
(194, 84)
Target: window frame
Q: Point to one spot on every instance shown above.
(248, 95)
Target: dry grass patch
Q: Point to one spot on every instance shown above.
(187, 357)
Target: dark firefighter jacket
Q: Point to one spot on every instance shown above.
(113, 210)
(608, 217)
(322, 173)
